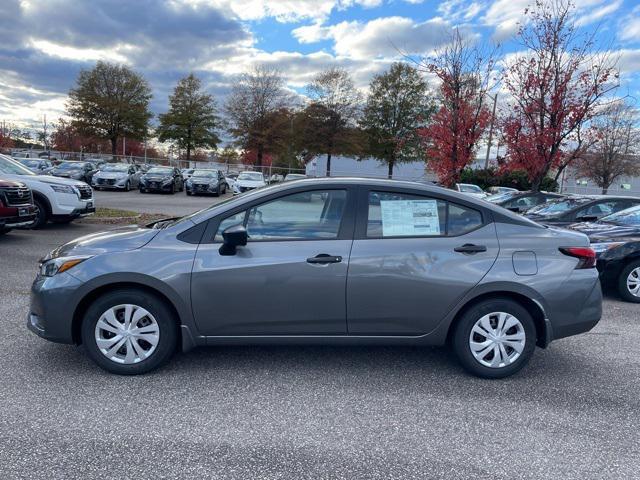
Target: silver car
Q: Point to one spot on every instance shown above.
(342, 261)
(116, 176)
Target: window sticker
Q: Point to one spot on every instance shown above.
(409, 218)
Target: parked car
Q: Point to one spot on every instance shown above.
(470, 189)
(205, 181)
(248, 181)
(616, 241)
(117, 176)
(496, 190)
(162, 179)
(370, 261)
(520, 202)
(294, 176)
(40, 166)
(584, 208)
(16, 206)
(186, 173)
(275, 178)
(57, 199)
(76, 170)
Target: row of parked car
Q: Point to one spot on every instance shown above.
(30, 199)
(611, 222)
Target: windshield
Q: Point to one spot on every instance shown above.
(162, 170)
(205, 173)
(501, 196)
(11, 167)
(469, 188)
(250, 176)
(30, 163)
(630, 216)
(555, 207)
(69, 166)
(115, 167)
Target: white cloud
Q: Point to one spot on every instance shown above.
(382, 37)
(631, 26)
(112, 54)
(283, 10)
(598, 13)
(457, 10)
(628, 61)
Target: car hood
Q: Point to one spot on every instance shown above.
(250, 183)
(111, 175)
(156, 178)
(118, 240)
(66, 173)
(45, 179)
(203, 180)
(602, 232)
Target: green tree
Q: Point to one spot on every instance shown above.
(191, 120)
(330, 125)
(110, 101)
(398, 106)
(256, 99)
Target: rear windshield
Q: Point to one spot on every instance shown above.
(559, 206)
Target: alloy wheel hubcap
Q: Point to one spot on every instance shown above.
(633, 282)
(497, 340)
(127, 334)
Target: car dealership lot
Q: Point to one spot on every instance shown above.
(311, 412)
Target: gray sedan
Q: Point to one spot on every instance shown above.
(342, 261)
(116, 176)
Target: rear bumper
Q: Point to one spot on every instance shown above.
(586, 314)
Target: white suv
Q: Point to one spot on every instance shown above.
(60, 200)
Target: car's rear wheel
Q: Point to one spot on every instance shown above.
(129, 332)
(629, 282)
(494, 338)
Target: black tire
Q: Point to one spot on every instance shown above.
(189, 193)
(127, 186)
(224, 188)
(622, 282)
(217, 194)
(41, 214)
(142, 190)
(462, 333)
(167, 323)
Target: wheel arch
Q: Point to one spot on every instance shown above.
(43, 198)
(90, 296)
(533, 307)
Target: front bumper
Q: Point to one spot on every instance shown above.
(156, 187)
(16, 217)
(52, 307)
(109, 184)
(196, 188)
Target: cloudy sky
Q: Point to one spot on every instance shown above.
(45, 43)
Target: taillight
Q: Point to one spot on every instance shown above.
(585, 255)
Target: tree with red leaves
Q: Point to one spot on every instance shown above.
(250, 157)
(5, 140)
(556, 86)
(452, 136)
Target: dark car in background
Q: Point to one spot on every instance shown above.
(579, 208)
(616, 241)
(41, 166)
(520, 202)
(75, 170)
(205, 181)
(16, 206)
(162, 179)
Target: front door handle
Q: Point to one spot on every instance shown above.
(470, 248)
(324, 258)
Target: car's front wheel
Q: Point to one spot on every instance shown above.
(629, 282)
(494, 338)
(129, 332)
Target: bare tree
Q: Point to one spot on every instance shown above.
(333, 113)
(616, 147)
(251, 106)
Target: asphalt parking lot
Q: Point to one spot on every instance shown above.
(171, 205)
(311, 412)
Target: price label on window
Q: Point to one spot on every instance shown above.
(403, 218)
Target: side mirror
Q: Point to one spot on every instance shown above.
(233, 237)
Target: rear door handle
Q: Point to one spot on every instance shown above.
(324, 258)
(470, 248)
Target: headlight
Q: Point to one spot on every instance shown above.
(49, 268)
(62, 188)
(189, 183)
(213, 183)
(167, 180)
(605, 246)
